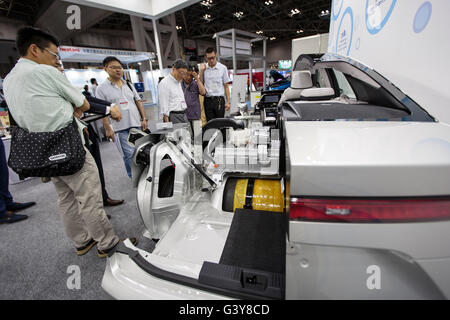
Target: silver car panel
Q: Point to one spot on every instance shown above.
(369, 159)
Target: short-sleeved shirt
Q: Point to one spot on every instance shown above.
(214, 79)
(124, 98)
(94, 89)
(191, 93)
(170, 96)
(40, 97)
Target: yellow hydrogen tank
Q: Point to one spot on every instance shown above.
(267, 195)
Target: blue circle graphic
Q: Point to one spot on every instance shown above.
(422, 17)
(376, 29)
(335, 16)
(338, 35)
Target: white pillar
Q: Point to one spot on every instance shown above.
(233, 45)
(154, 84)
(157, 43)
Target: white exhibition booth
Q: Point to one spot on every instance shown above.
(80, 77)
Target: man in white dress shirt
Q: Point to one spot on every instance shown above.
(214, 76)
(172, 104)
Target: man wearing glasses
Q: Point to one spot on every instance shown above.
(172, 103)
(214, 76)
(40, 99)
(123, 94)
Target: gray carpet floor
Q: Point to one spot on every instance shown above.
(35, 254)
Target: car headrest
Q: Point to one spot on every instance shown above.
(315, 94)
(301, 79)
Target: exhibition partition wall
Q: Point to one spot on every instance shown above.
(309, 45)
(407, 41)
(96, 55)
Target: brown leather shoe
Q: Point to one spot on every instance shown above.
(84, 249)
(107, 252)
(111, 203)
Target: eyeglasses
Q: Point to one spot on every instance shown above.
(116, 68)
(210, 58)
(183, 73)
(51, 52)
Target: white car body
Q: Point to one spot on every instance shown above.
(346, 159)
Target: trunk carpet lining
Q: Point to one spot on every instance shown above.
(256, 240)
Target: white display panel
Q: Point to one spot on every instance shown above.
(238, 92)
(307, 45)
(81, 77)
(406, 41)
(242, 47)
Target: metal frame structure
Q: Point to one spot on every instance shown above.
(167, 51)
(243, 36)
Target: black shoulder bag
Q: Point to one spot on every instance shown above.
(46, 154)
(129, 86)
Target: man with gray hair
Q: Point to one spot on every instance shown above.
(172, 104)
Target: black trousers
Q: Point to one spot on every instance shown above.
(214, 107)
(94, 148)
(5, 197)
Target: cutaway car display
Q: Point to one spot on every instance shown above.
(335, 189)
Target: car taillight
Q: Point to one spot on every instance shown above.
(370, 210)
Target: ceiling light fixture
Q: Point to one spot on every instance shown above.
(207, 17)
(300, 31)
(239, 15)
(259, 32)
(294, 12)
(179, 27)
(272, 38)
(207, 3)
(268, 3)
(324, 14)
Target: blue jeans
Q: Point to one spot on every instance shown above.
(127, 150)
(5, 196)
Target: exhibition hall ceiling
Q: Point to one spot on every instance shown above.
(24, 10)
(276, 19)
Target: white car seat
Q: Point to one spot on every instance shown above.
(301, 80)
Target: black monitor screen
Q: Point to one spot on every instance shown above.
(271, 98)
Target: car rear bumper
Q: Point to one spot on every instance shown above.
(345, 260)
(124, 279)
